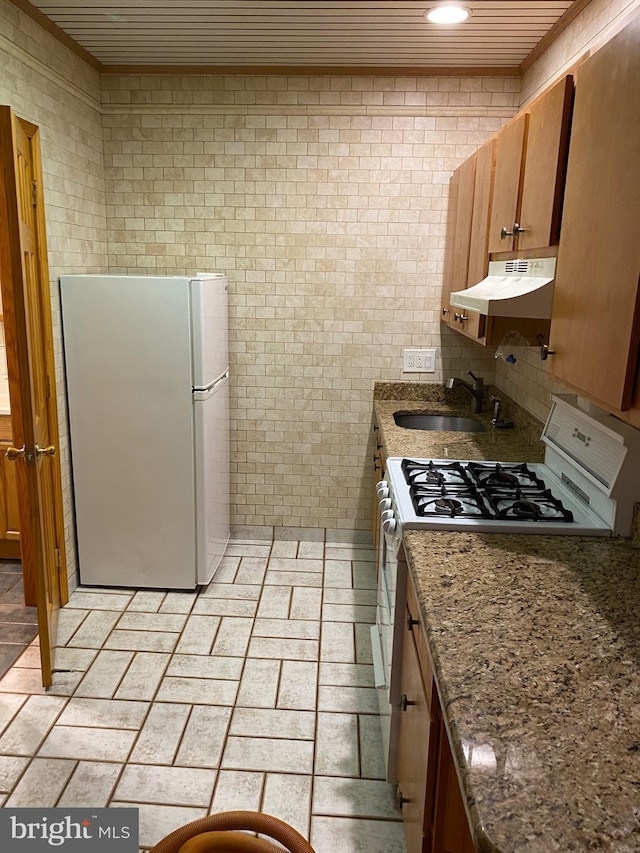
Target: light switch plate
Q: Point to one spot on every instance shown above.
(419, 361)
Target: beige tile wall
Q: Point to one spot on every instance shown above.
(528, 380)
(47, 84)
(324, 200)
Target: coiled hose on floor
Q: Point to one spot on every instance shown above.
(215, 833)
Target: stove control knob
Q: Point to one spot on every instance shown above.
(384, 504)
(386, 514)
(382, 489)
(389, 524)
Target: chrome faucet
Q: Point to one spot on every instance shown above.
(476, 389)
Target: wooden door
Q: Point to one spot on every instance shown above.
(546, 167)
(27, 316)
(510, 158)
(595, 330)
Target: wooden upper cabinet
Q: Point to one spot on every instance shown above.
(530, 171)
(464, 209)
(459, 231)
(595, 329)
(510, 155)
(450, 235)
(482, 197)
(545, 167)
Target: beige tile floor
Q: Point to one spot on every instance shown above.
(256, 693)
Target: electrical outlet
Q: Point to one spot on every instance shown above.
(419, 361)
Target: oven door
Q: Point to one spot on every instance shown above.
(386, 641)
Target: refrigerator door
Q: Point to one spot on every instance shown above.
(128, 366)
(209, 328)
(213, 517)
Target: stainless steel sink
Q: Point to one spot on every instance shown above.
(445, 423)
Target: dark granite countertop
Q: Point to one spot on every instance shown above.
(535, 642)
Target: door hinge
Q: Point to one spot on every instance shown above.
(58, 561)
(48, 387)
(34, 189)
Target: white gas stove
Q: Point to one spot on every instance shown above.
(587, 486)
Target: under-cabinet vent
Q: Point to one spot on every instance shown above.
(516, 267)
(518, 288)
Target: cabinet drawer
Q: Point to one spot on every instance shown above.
(414, 625)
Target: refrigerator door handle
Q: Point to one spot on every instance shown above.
(200, 394)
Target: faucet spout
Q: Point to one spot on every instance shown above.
(475, 389)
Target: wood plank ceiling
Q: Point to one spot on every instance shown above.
(314, 33)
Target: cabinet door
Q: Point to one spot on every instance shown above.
(459, 229)
(595, 328)
(449, 247)
(451, 832)
(510, 154)
(9, 509)
(417, 735)
(482, 197)
(545, 167)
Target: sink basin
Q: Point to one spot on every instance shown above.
(446, 423)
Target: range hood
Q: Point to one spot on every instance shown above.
(520, 288)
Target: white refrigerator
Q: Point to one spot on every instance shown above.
(147, 369)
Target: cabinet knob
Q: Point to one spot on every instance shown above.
(404, 702)
(411, 622)
(545, 352)
(504, 233)
(460, 317)
(445, 311)
(400, 800)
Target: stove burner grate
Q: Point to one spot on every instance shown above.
(542, 506)
(450, 502)
(498, 475)
(432, 473)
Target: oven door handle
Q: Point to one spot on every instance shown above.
(378, 666)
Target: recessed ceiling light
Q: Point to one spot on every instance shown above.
(448, 13)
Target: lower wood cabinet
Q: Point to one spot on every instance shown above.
(9, 508)
(428, 790)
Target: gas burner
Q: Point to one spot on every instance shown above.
(448, 505)
(450, 502)
(499, 478)
(542, 506)
(496, 475)
(430, 473)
